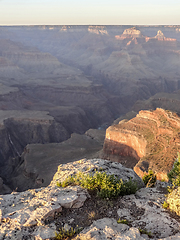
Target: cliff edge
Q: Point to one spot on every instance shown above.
(151, 140)
(39, 213)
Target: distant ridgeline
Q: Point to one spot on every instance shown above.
(56, 81)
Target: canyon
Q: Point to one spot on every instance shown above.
(40, 213)
(150, 141)
(56, 82)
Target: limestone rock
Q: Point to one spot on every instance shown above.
(160, 36)
(26, 215)
(71, 197)
(144, 210)
(175, 237)
(44, 232)
(89, 166)
(129, 33)
(34, 208)
(108, 228)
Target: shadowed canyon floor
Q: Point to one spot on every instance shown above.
(56, 82)
(78, 77)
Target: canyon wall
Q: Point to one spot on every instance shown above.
(151, 138)
(83, 77)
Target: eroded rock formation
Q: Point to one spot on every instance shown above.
(151, 141)
(39, 162)
(37, 214)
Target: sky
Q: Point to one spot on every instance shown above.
(89, 12)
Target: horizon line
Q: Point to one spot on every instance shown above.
(12, 25)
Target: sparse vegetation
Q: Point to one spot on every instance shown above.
(144, 231)
(123, 221)
(174, 174)
(104, 185)
(165, 205)
(62, 234)
(92, 215)
(149, 179)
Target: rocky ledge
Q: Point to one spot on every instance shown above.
(38, 214)
(151, 140)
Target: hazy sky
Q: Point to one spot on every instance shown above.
(98, 12)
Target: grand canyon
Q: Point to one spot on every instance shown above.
(87, 92)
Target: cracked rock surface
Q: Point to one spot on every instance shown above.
(36, 213)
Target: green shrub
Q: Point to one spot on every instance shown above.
(174, 174)
(144, 231)
(165, 205)
(104, 185)
(149, 179)
(66, 233)
(123, 221)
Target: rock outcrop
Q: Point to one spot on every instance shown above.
(98, 30)
(168, 101)
(90, 166)
(160, 36)
(129, 33)
(18, 128)
(150, 141)
(36, 214)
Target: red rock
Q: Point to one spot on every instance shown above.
(152, 138)
(134, 33)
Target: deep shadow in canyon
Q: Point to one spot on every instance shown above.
(60, 80)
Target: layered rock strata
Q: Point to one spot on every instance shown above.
(150, 140)
(39, 162)
(34, 214)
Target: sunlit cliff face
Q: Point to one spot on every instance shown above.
(150, 137)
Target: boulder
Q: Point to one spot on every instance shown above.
(92, 165)
(34, 208)
(108, 228)
(33, 214)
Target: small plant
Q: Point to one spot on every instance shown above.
(165, 205)
(66, 233)
(144, 231)
(91, 215)
(123, 221)
(149, 179)
(174, 174)
(104, 185)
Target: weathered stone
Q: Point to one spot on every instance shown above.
(152, 194)
(26, 215)
(44, 232)
(108, 228)
(144, 210)
(43, 214)
(66, 227)
(175, 237)
(89, 166)
(70, 197)
(36, 207)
